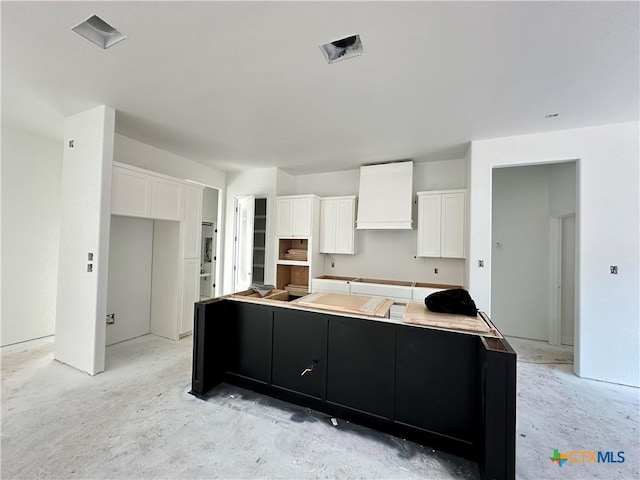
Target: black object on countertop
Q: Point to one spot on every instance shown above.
(456, 300)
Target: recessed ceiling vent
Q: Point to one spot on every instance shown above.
(99, 32)
(347, 47)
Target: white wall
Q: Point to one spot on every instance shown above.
(608, 223)
(520, 258)
(85, 206)
(390, 254)
(253, 182)
(138, 154)
(129, 284)
(31, 172)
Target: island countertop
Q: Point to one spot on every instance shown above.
(279, 298)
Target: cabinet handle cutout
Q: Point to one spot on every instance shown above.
(309, 368)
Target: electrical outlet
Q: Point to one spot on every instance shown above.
(90, 257)
(111, 318)
(613, 269)
(481, 263)
(89, 267)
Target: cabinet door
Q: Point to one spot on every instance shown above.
(190, 293)
(284, 212)
(429, 237)
(130, 193)
(299, 352)
(453, 225)
(435, 381)
(328, 223)
(301, 217)
(361, 365)
(345, 225)
(250, 335)
(192, 225)
(167, 200)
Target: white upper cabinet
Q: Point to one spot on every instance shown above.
(138, 193)
(337, 225)
(453, 225)
(130, 193)
(294, 216)
(166, 200)
(442, 223)
(192, 235)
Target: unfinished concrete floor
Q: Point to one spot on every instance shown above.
(136, 420)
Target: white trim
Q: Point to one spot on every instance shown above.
(555, 272)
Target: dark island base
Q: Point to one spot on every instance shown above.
(451, 391)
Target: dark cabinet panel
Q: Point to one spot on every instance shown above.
(209, 345)
(249, 349)
(361, 365)
(299, 352)
(436, 381)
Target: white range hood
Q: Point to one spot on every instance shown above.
(385, 197)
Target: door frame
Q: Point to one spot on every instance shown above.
(555, 278)
(236, 243)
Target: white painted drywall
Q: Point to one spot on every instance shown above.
(390, 254)
(285, 183)
(138, 154)
(254, 182)
(84, 227)
(520, 257)
(608, 224)
(31, 176)
(129, 285)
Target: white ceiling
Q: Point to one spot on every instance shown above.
(239, 85)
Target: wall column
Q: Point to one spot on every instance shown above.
(84, 229)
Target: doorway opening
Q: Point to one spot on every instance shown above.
(250, 249)
(209, 248)
(534, 252)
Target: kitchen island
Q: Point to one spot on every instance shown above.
(451, 390)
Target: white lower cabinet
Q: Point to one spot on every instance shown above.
(330, 285)
(400, 292)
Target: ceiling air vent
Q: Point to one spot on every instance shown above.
(99, 32)
(347, 47)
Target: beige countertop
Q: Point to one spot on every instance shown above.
(295, 305)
